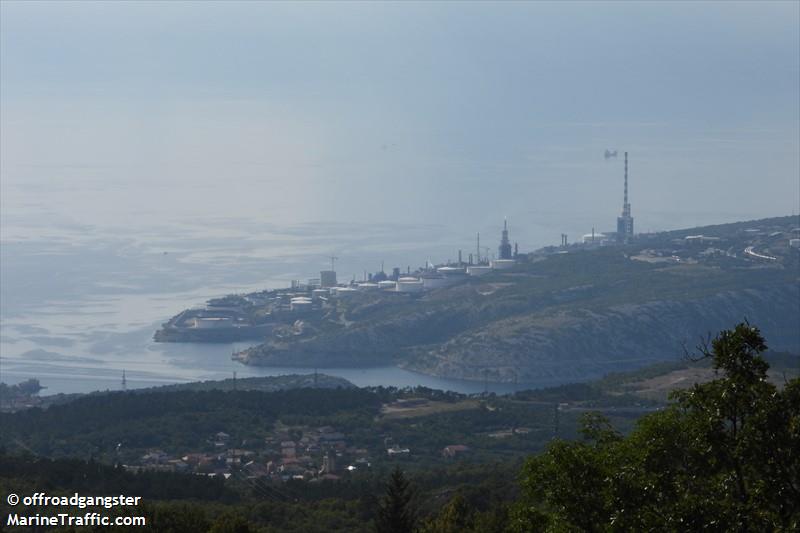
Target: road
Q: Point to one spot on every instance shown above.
(749, 251)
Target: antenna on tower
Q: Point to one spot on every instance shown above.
(626, 179)
(333, 259)
(478, 257)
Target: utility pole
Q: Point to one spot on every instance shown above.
(124, 380)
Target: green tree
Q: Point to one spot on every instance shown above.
(493, 520)
(725, 456)
(230, 523)
(455, 517)
(396, 513)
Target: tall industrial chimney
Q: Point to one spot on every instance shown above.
(625, 221)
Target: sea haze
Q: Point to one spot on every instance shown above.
(79, 304)
(157, 154)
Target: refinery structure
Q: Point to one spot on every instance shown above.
(624, 232)
(228, 318)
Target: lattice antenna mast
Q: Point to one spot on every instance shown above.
(626, 207)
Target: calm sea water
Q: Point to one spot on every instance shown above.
(89, 270)
(80, 304)
(237, 154)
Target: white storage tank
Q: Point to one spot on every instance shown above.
(320, 293)
(300, 303)
(212, 322)
(503, 264)
(450, 270)
(409, 285)
(433, 281)
(453, 274)
(387, 285)
(368, 286)
(478, 270)
(344, 292)
(595, 238)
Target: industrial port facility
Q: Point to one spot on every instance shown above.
(302, 307)
(255, 315)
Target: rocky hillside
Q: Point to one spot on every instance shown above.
(584, 343)
(566, 314)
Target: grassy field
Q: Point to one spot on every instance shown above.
(397, 410)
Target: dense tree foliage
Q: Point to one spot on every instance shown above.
(396, 512)
(123, 426)
(94, 425)
(724, 457)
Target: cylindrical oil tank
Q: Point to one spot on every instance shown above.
(503, 264)
(434, 281)
(320, 293)
(478, 270)
(590, 238)
(453, 274)
(409, 285)
(300, 303)
(344, 292)
(212, 322)
(450, 270)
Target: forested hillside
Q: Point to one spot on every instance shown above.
(721, 456)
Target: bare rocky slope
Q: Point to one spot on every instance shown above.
(581, 343)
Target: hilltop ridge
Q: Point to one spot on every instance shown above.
(574, 312)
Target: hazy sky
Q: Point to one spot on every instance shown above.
(446, 113)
